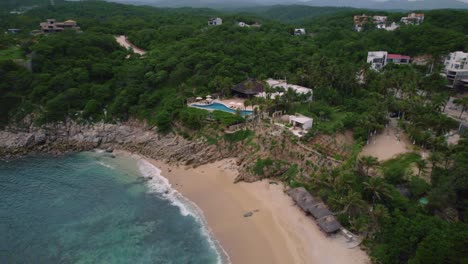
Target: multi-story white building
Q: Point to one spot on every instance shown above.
(378, 59)
(456, 69)
(215, 21)
(413, 19)
(299, 31)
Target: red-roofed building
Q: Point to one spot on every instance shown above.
(398, 59)
(379, 59)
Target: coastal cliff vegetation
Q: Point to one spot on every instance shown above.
(88, 78)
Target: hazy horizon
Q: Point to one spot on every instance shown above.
(371, 4)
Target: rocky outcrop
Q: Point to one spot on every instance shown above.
(71, 137)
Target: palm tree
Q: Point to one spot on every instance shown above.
(422, 165)
(435, 158)
(354, 204)
(463, 102)
(377, 189)
(367, 162)
(247, 103)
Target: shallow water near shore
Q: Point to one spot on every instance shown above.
(92, 208)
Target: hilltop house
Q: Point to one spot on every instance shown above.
(243, 24)
(13, 30)
(456, 69)
(299, 31)
(51, 26)
(360, 20)
(296, 88)
(380, 21)
(413, 19)
(378, 59)
(215, 21)
(392, 27)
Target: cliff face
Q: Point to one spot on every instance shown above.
(71, 137)
(268, 142)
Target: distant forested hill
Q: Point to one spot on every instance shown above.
(292, 13)
(8, 5)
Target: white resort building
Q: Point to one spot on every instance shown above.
(456, 69)
(299, 31)
(300, 124)
(215, 21)
(284, 84)
(413, 19)
(378, 59)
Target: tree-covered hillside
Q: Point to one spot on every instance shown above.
(88, 77)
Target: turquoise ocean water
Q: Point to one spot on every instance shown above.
(92, 208)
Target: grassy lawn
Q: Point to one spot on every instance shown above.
(11, 54)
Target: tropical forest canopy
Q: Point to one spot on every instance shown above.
(88, 77)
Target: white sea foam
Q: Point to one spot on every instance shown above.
(102, 163)
(161, 185)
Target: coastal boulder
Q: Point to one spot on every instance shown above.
(40, 137)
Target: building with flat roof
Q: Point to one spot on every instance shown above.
(379, 59)
(380, 22)
(413, 19)
(215, 21)
(456, 69)
(299, 31)
(296, 88)
(52, 26)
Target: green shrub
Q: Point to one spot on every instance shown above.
(193, 118)
(226, 118)
(238, 136)
(260, 165)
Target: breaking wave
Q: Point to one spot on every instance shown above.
(160, 185)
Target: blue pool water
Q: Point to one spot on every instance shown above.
(93, 208)
(222, 107)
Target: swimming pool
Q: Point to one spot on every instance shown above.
(221, 107)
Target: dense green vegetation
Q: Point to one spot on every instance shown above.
(88, 77)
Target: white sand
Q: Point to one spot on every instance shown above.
(277, 232)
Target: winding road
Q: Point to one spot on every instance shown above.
(123, 41)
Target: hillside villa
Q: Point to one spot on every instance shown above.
(13, 30)
(378, 59)
(52, 26)
(380, 22)
(243, 24)
(361, 20)
(456, 69)
(299, 31)
(413, 19)
(284, 84)
(300, 124)
(215, 21)
(255, 88)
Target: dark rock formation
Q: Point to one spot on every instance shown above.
(70, 136)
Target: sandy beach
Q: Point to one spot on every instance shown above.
(277, 232)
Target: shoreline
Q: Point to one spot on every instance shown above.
(276, 232)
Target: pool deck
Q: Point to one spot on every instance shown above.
(228, 104)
